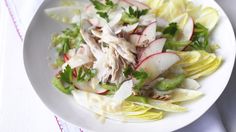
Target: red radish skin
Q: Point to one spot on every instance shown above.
(88, 7)
(154, 47)
(65, 57)
(74, 73)
(188, 26)
(138, 65)
(138, 30)
(103, 92)
(139, 52)
(150, 29)
(190, 36)
(157, 63)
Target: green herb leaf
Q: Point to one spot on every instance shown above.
(103, 8)
(98, 5)
(110, 87)
(66, 75)
(171, 29)
(139, 85)
(110, 3)
(200, 38)
(132, 16)
(85, 74)
(59, 85)
(141, 76)
(68, 39)
(128, 71)
(103, 15)
(137, 74)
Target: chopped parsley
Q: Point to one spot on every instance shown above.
(132, 16)
(200, 38)
(57, 83)
(171, 29)
(103, 8)
(141, 76)
(66, 75)
(68, 39)
(85, 74)
(64, 81)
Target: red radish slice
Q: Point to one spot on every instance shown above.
(138, 4)
(65, 57)
(88, 7)
(101, 91)
(74, 73)
(133, 38)
(139, 30)
(157, 64)
(188, 30)
(130, 28)
(154, 47)
(148, 35)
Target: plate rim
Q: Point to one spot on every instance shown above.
(64, 118)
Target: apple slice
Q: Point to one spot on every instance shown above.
(148, 35)
(154, 47)
(157, 64)
(188, 29)
(138, 4)
(133, 38)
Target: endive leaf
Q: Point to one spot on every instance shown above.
(181, 95)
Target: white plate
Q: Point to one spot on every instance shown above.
(36, 53)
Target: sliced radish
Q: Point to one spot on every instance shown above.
(148, 35)
(66, 58)
(139, 30)
(74, 73)
(102, 92)
(147, 19)
(188, 30)
(130, 28)
(127, 29)
(157, 64)
(154, 47)
(133, 38)
(138, 4)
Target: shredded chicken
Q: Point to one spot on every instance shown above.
(109, 67)
(80, 57)
(94, 47)
(122, 46)
(109, 59)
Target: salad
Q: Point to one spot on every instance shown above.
(133, 60)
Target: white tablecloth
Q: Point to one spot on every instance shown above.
(22, 111)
